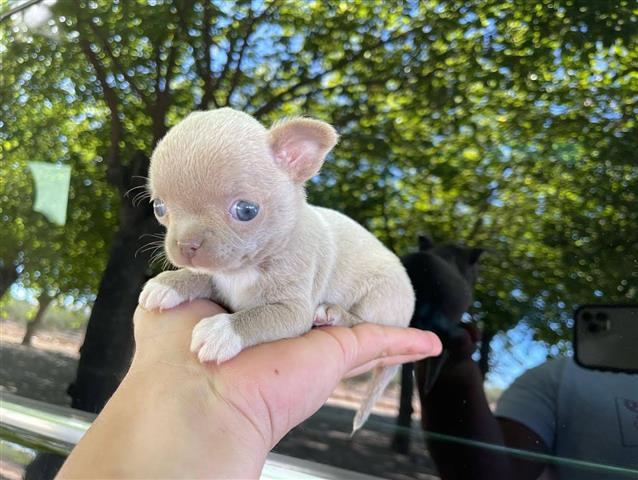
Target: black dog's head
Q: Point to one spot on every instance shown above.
(443, 277)
(465, 259)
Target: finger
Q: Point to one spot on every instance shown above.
(473, 331)
(183, 317)
(381, 342)
(193, 310)
(164, 337)
(367, 342)
(383, 362)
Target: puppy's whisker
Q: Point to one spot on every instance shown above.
(140, 197)
(130, 190)
(152, 235)
(157, 257)
(165, 263)
(154, 242)
(137, 199)
(149, 246)
(158, 254)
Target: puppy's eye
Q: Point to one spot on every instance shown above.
(159, 207)
(244, 210)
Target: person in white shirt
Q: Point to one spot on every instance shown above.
(574, 422)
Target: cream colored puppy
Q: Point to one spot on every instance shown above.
(231, 196)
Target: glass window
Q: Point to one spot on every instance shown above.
(490, 145)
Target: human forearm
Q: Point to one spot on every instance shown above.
(457, 406)
(166, 424)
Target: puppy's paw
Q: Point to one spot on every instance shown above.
(327, 314)
(214, 339)
(159, 296)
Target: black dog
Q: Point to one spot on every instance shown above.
(443, 277)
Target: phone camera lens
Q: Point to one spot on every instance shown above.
(593, 328)
(601, 317)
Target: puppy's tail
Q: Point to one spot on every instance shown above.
(381, 377)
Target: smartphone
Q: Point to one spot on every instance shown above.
(606, 337)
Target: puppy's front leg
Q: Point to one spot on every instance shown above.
(173, 287)
(221, 337)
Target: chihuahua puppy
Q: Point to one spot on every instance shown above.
(231, 195)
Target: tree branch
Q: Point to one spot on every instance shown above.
(478, 223)
(170, 63)
(229, 58)
(163, 93)
(237, 72)
(249, 30)
(114, 167)
(275, 101)
(158, 72)
(104, 45)
(390, 242)
(202, 70)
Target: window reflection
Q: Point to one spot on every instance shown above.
(492, 127)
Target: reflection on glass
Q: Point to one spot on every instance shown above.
(505, 126)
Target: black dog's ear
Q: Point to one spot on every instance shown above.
(425, 243)
(475, 254)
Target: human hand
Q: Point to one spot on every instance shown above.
(456, 365)
(174, 417)
(272, 387)
(462, 345)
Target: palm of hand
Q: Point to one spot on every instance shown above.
(277, 385)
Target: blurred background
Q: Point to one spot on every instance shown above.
(507, 125)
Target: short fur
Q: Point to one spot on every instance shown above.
(291, 267)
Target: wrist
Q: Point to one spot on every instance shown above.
(167, 423)
(201, 425)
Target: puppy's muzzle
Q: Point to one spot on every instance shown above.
(188, 248)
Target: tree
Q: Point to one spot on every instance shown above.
(44, 300)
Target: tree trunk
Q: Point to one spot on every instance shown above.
(8, 275)
(484, 361)
(44, 300)
(108, 344)
(401, 440)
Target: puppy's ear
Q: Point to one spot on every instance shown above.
(300, 145)
(425, 243)
(475, 254)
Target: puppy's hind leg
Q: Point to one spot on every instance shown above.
(334, 315)
(390, 302)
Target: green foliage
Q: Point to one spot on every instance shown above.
(16, 310)
(40, 122)
(510, 125)
(59, 315)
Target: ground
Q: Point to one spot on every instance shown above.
(44, 371)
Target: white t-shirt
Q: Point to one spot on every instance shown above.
(581, 414)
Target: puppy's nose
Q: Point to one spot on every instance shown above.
(189, 247)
